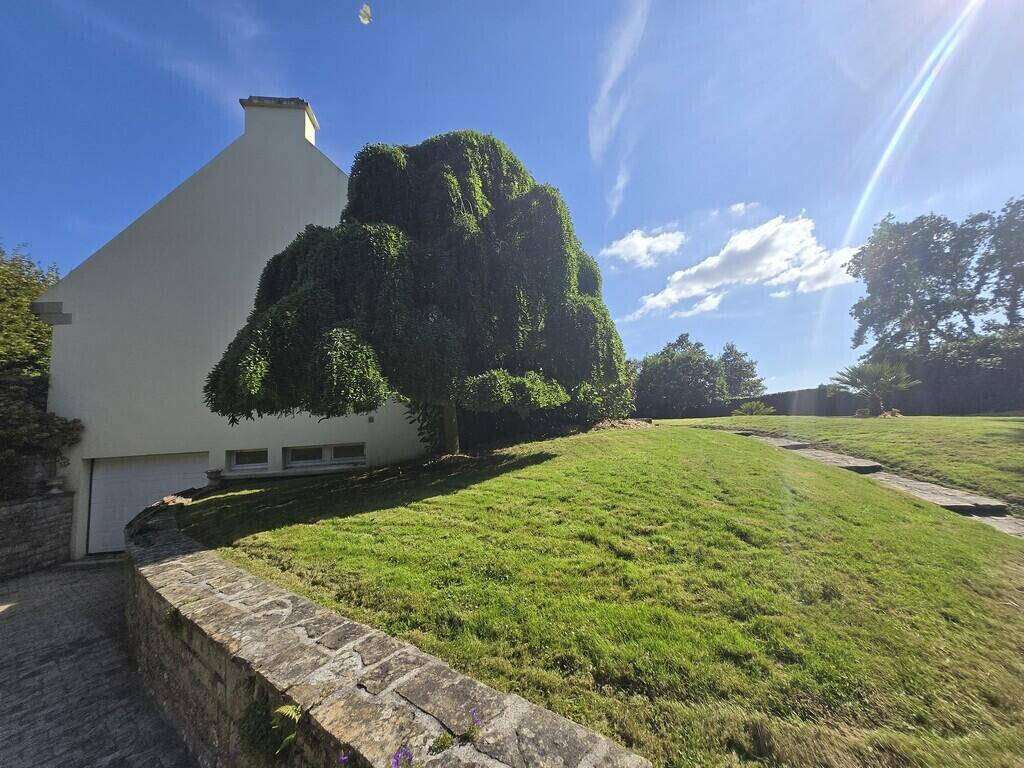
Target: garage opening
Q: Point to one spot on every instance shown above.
(124, 486)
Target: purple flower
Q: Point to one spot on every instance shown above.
(343, 759)
(402, 758)
(475, 715)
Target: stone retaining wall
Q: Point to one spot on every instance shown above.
(220, 649)
(34, 533)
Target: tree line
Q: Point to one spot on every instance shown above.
(943, 301)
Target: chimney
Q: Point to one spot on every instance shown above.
(279, 118)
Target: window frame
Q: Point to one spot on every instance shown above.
(234, 466)
(327, 458)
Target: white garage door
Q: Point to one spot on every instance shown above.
(123, 487)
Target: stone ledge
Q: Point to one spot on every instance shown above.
(361, 692)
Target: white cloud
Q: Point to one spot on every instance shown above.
(642, 248)
(779, 252)
(610, 105)
(780, 294)
(618, 190)
(739, 209)
(708, 304)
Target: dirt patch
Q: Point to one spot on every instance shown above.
(624, 424)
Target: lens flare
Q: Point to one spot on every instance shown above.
(915, 95)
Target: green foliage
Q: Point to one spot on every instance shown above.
(29, 435)
(1003, 263)
(877, 382)
(173, 619)
(929, 281)
(268, 734)
(286, 723)
(673, 587)
(453, 276)
(24, 341)
(680, 377)
(494, 390)
(741, 379)
(754, 408)
(441, 743)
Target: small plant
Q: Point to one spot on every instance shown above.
(876, 382)
(402, 758)
(441, 743)
(862, 413)
(267, 734)
(286, 723)
(754, 408)
(473, 732)
(173, 620)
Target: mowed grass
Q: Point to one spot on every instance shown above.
(701, 597)
(982, 453)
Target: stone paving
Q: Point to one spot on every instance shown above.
(68, 694)
(991, 512)
(841, 460)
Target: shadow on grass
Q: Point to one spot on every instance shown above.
(225, 515)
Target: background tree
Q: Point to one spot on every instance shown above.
(1003, 263)
(922, 282)
(29, 434)
(452, 279)
(681, 376)
(740, 371)
(877, 382)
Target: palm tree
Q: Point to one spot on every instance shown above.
(877, 382)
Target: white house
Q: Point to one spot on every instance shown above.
(139, 324)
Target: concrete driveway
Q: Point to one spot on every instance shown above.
(69, 695)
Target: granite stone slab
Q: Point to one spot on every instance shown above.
(852, 463)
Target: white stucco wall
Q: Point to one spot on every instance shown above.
(153, 310)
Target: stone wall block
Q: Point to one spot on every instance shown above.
(210, 640)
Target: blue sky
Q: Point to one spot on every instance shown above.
(714, 155)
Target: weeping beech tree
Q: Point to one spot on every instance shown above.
(453, 278)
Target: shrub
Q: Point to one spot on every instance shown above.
(754, 408)
(680, 377)
(30, 437)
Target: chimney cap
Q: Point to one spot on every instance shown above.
(281, 102)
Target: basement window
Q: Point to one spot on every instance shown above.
(249, 460)
(354, 452)
(303, 457)
(317, 455)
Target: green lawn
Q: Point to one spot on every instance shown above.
(982, 453)
(701, 597)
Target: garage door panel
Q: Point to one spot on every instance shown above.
(123, 487)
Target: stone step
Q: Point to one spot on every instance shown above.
(852, 463)
(782, 442)
(950, 498)
(1008, 524)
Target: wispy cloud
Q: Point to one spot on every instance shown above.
(740, 209)
(642, 248)
(610, 105)
(224, 81)
(780, 294)
(618, 190)
(708, 304)
(779, 252)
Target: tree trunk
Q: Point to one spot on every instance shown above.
(876, 405)
(450, 421)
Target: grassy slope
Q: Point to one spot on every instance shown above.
(978, 452)
(699, 596)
